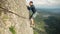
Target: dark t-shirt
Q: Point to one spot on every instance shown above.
(32, 7)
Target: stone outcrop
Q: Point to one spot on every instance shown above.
(14, 17)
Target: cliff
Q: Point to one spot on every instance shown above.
(14, 17)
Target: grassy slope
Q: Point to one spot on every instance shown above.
(47, 25)
(39, 23)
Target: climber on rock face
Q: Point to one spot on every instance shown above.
(32, 8)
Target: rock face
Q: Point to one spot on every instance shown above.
(14, 17)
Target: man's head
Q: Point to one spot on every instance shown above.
(31, 3)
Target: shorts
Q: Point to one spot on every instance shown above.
(34, 15)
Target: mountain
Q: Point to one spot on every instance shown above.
(14, 17)
(47, 21)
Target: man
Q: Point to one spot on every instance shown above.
(32, 8)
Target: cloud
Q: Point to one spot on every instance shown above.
(46, 2)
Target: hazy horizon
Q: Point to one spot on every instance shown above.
(46, 3)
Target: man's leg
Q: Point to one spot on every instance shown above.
(31, 16)
(32, 20)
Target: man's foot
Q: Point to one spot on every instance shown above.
(32, 23)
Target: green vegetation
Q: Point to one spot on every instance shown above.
(35, 32)
(39, 23)
(47, 25)
(12, 30)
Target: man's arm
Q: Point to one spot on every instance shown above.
(28, 7)
(33, 9)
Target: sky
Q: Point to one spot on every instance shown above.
(46, 3)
